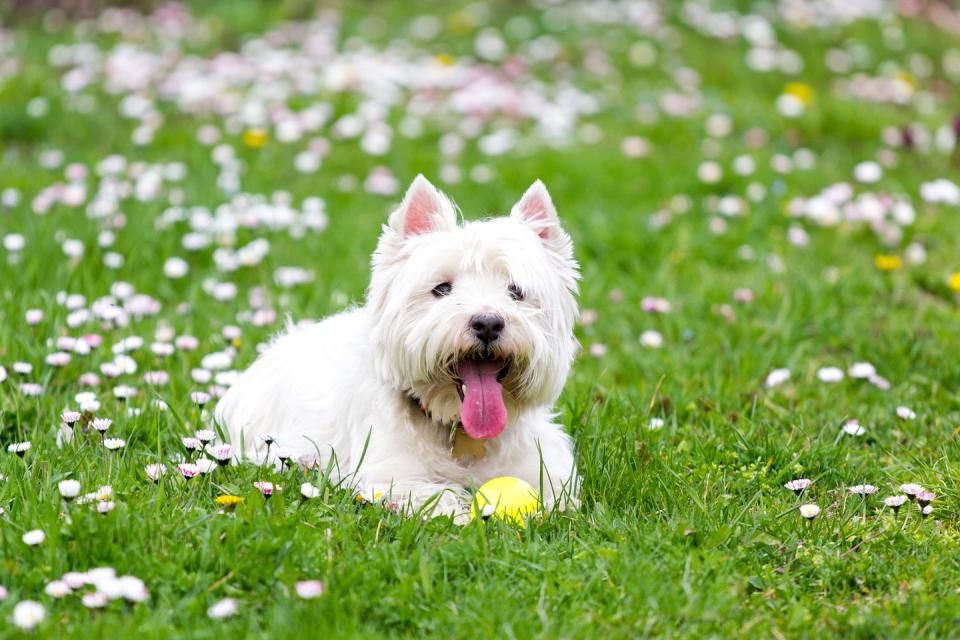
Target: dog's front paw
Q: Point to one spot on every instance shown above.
(424, 501)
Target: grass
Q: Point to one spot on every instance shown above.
(685, 531)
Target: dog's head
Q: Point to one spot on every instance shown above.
(474, 320)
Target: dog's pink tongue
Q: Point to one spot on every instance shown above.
(484, 415)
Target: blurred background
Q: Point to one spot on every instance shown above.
(705, 155)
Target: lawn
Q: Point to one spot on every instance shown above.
(763, 200)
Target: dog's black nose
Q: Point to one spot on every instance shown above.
(487, 327)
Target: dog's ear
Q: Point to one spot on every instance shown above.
(536, 210)
(423, 210)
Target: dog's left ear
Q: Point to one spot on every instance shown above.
(536, 210)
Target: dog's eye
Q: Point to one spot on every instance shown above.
(515, 292)
(442, 289)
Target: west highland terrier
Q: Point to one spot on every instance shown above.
(446, 378)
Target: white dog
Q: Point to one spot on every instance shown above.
(446, 377)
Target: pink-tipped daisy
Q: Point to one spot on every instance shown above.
(853, 428)
(223, 609)
(19, 448)
(70, 417)
(799, 485)
(809, 511)
(114, 444)
(206, 465)
(222, 453)
(895, 502)
(267, 488)
(155, 471)
(188, 470)
(911, 490)
(309, 589)
(863, 489)
(925, 497)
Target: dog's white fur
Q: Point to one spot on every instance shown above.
(340, 392)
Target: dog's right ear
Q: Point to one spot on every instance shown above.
(423, 210)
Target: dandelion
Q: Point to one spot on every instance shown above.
(228, 502)
(266, 488)
(155, 471)
(853, 428)
(101, 424)
(70, 417)
(223, 609)
(34, 537)
(188, 470)
(809, 511)
(309, 589)
(911, 490)
(954, 281)
(19, 448)
(113, 444)
(863, 489)
(888, 263)
(309, 491)
(28, 614)
(799, 485)
(895, 502)
(925, 497)
(69, 489)
(255, 138)
(801, 91)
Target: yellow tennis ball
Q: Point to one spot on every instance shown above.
(506, 498)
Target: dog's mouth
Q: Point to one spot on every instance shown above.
(479, 382)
